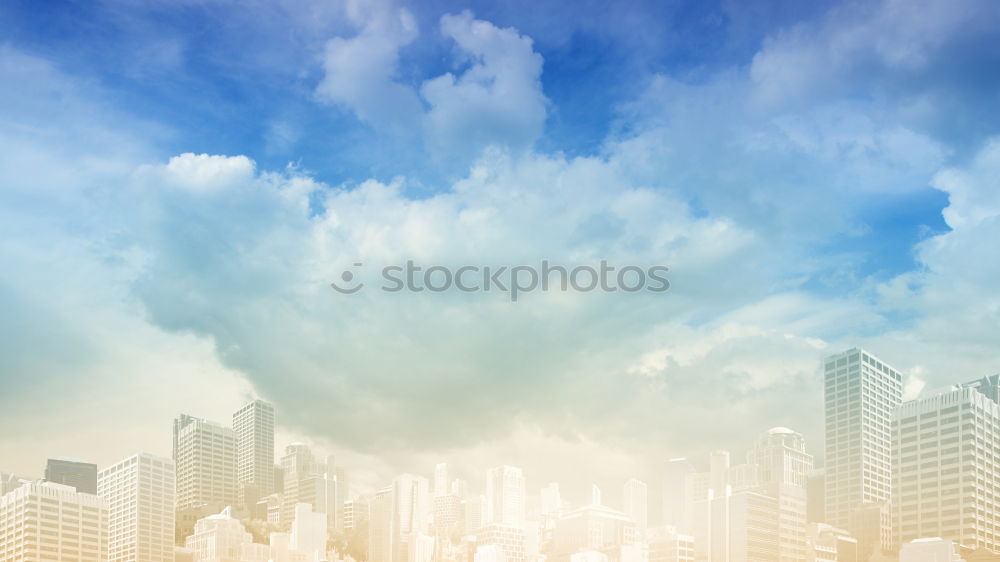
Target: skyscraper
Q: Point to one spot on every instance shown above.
(254, 427)
(635, 504)
(205, 459)
(505, 496)
(861, 394)
(45, 520)
(945, 452)
(782, 467)
(411, 512)
(380, 526)
(674, 497)
(80, 475)
(441, 479)
(301, 472)
(139, 492)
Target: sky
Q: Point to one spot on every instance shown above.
(180, 182)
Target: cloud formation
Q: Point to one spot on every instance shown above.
(761, 185)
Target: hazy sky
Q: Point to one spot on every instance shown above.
(180, 181)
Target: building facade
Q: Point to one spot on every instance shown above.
(861, 394)
(254, 425)
(946, 454)
(140, 497)
(42, 521)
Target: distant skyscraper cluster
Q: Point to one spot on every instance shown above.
(909, 481)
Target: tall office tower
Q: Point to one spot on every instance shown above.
(674, 498)
(80, 475)
(301, 471)
(380, 526)
(328, 500)
(49, 521)
(783, 466)
(205, 459)
(505, 496)
(945, 453)
(441, 479)
(861, 395)
(635, 504)
(411, 513)
(139, 492)
(254, 426)
(221, 537)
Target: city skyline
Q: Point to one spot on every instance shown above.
(175, 206)
(519, 281)
(648, 470)
(763, 509)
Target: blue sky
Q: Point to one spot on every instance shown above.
(817, 175)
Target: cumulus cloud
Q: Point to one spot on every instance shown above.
(223, 266)
(361, 72)
(498, 99)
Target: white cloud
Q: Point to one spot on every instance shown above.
(498, 99)
(361, 72)
(495, 100)
(204, 172)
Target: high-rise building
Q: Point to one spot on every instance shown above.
(49, 521)
(635, 495)
(946, 456)
(205, 463)
(254, 425)
(861, 395)
(505, 496)
(301, 471)
(380, 526)
(441, 481)
(782, 468)
(411, 512)
(80, 475)
(139, 492)
(674, 492)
